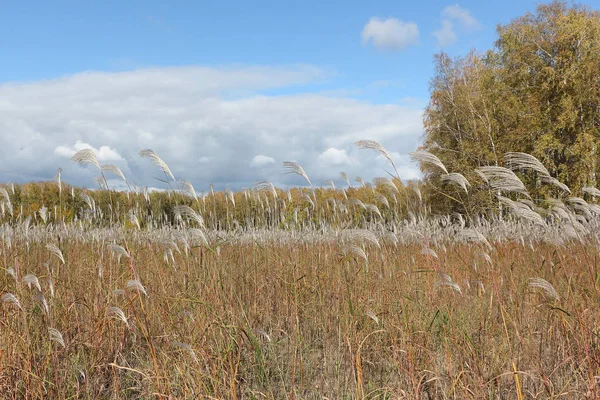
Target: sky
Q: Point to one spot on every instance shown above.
(225, 92)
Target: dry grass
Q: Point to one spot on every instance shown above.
(415, 306)
(301, 321)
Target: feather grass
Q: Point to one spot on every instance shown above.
(156, 160)
(295, 168)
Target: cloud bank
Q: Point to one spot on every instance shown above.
(210, 125)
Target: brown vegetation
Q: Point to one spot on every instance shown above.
(266, 320)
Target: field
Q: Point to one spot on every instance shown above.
(312, 294)
(428, 312)
(463, 264)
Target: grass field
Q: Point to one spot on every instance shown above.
(341, 300)
(302, 316)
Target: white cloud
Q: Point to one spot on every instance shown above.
(390, 33)
(461, 15)
(261, 161)
(445, 35)
(334, 157)
(104, 153)
(205, 123)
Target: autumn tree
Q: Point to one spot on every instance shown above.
(537, 92)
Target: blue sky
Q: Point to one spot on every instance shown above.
(42, 40)
(242, 60)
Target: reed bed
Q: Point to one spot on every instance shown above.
(303, 319)
(269, 295)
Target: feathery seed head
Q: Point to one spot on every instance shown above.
(373, 316)
(188, 189)
(387, 183)
(545, 286)
(187, 211)
(115, 170)
(425, 157)
(518, 161)
(10, 298)
(32, 280)
(134, 285)
(156, 160)
(86, 156)
(457, 179)
(361, 235)
(119, 251)
(52, 248)
(373, 145)
(592, 191)
(56, 336)
(117, 313)
(295, 168)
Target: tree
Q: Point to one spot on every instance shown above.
(537, 92)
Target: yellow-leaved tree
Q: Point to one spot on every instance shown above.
(536, 92)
